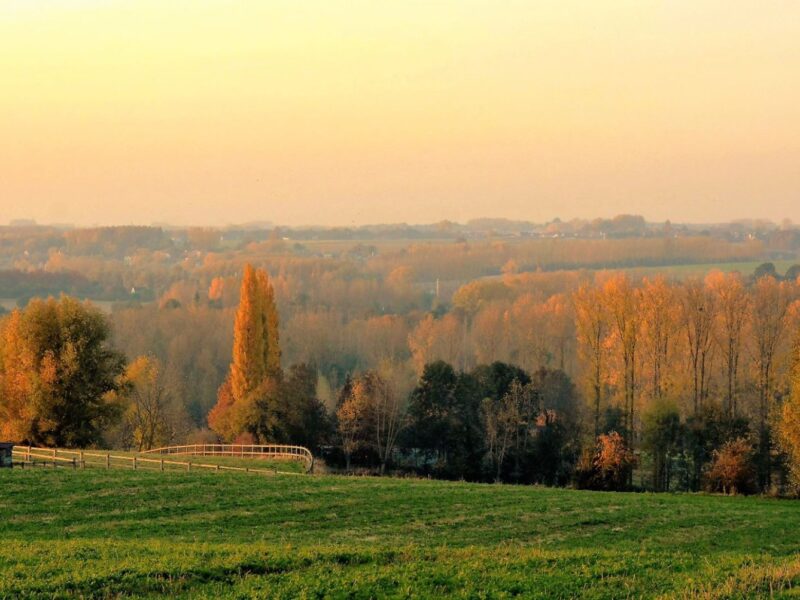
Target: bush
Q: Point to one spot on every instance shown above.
(610, 467)
(732, 470)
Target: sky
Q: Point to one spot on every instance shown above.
(334, 112)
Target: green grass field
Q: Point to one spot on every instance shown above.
(101, 534)
(702, 269)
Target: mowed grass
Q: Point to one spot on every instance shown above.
(100, 534)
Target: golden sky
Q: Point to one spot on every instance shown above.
(359, 111)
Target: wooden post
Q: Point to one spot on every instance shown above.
(134, 463)
(74, 466)
(108, 461)
(29, 453)
(217, 468)
(83, 462)
(188, 466)
(162, 465)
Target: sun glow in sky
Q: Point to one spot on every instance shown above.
(340, 112)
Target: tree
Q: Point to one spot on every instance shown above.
(661, 437)
(623, 303)
(437, 339)
(699, 312)
(659, 326)
(613, 462)
(146, 418)
(255, 369)
(391, 390)
(734, 309)
(504, 421)
(707, 431)
(356, 420)
(591, 323)
(431, 411)
(766, 269)
(731, 470)
(300, 416)
(56, 374)
(789, 425)
(17, 377)
(771, 302)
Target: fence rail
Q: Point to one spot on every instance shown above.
(80, 459)
(278, 451)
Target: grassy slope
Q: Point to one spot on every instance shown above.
(98, 534)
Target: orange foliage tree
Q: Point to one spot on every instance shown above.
(256, 357)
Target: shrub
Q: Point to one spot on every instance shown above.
(610, 467)
(731, 470)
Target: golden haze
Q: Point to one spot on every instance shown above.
(333, 112)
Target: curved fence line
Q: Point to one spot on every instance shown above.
(32, 456)
(279, 451)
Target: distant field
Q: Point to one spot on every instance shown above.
(104, 305)
(680, 271)
(99, 534)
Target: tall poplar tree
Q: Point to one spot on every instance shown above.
(256, 361)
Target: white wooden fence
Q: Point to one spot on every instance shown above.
(275, 451)
(31, 456)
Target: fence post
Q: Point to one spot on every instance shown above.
(162, 465)
(188, 466)
(74, 466)
(134, 463)
(29, 453)
(108, 461)
(54, 451)
(83, 462)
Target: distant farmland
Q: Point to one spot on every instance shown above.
(98, 534)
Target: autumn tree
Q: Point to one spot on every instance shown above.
(17, 380)
(437, 339)
(505, 421)
(392, 387)
(731, 470)
(623, 303)
(789, 424)
(356, 419)
(613, 462)
(255, 368)
(734, 305)
(147, 422)
(771, 302)
(592, 326)
(698, 315)
(659, 326)
(56, 373)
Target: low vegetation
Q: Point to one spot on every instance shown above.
(99, 534)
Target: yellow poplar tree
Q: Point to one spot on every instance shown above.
(256, 351)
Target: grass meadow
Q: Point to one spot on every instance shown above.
(104, 534)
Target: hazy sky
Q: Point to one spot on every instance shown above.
(339, 112)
